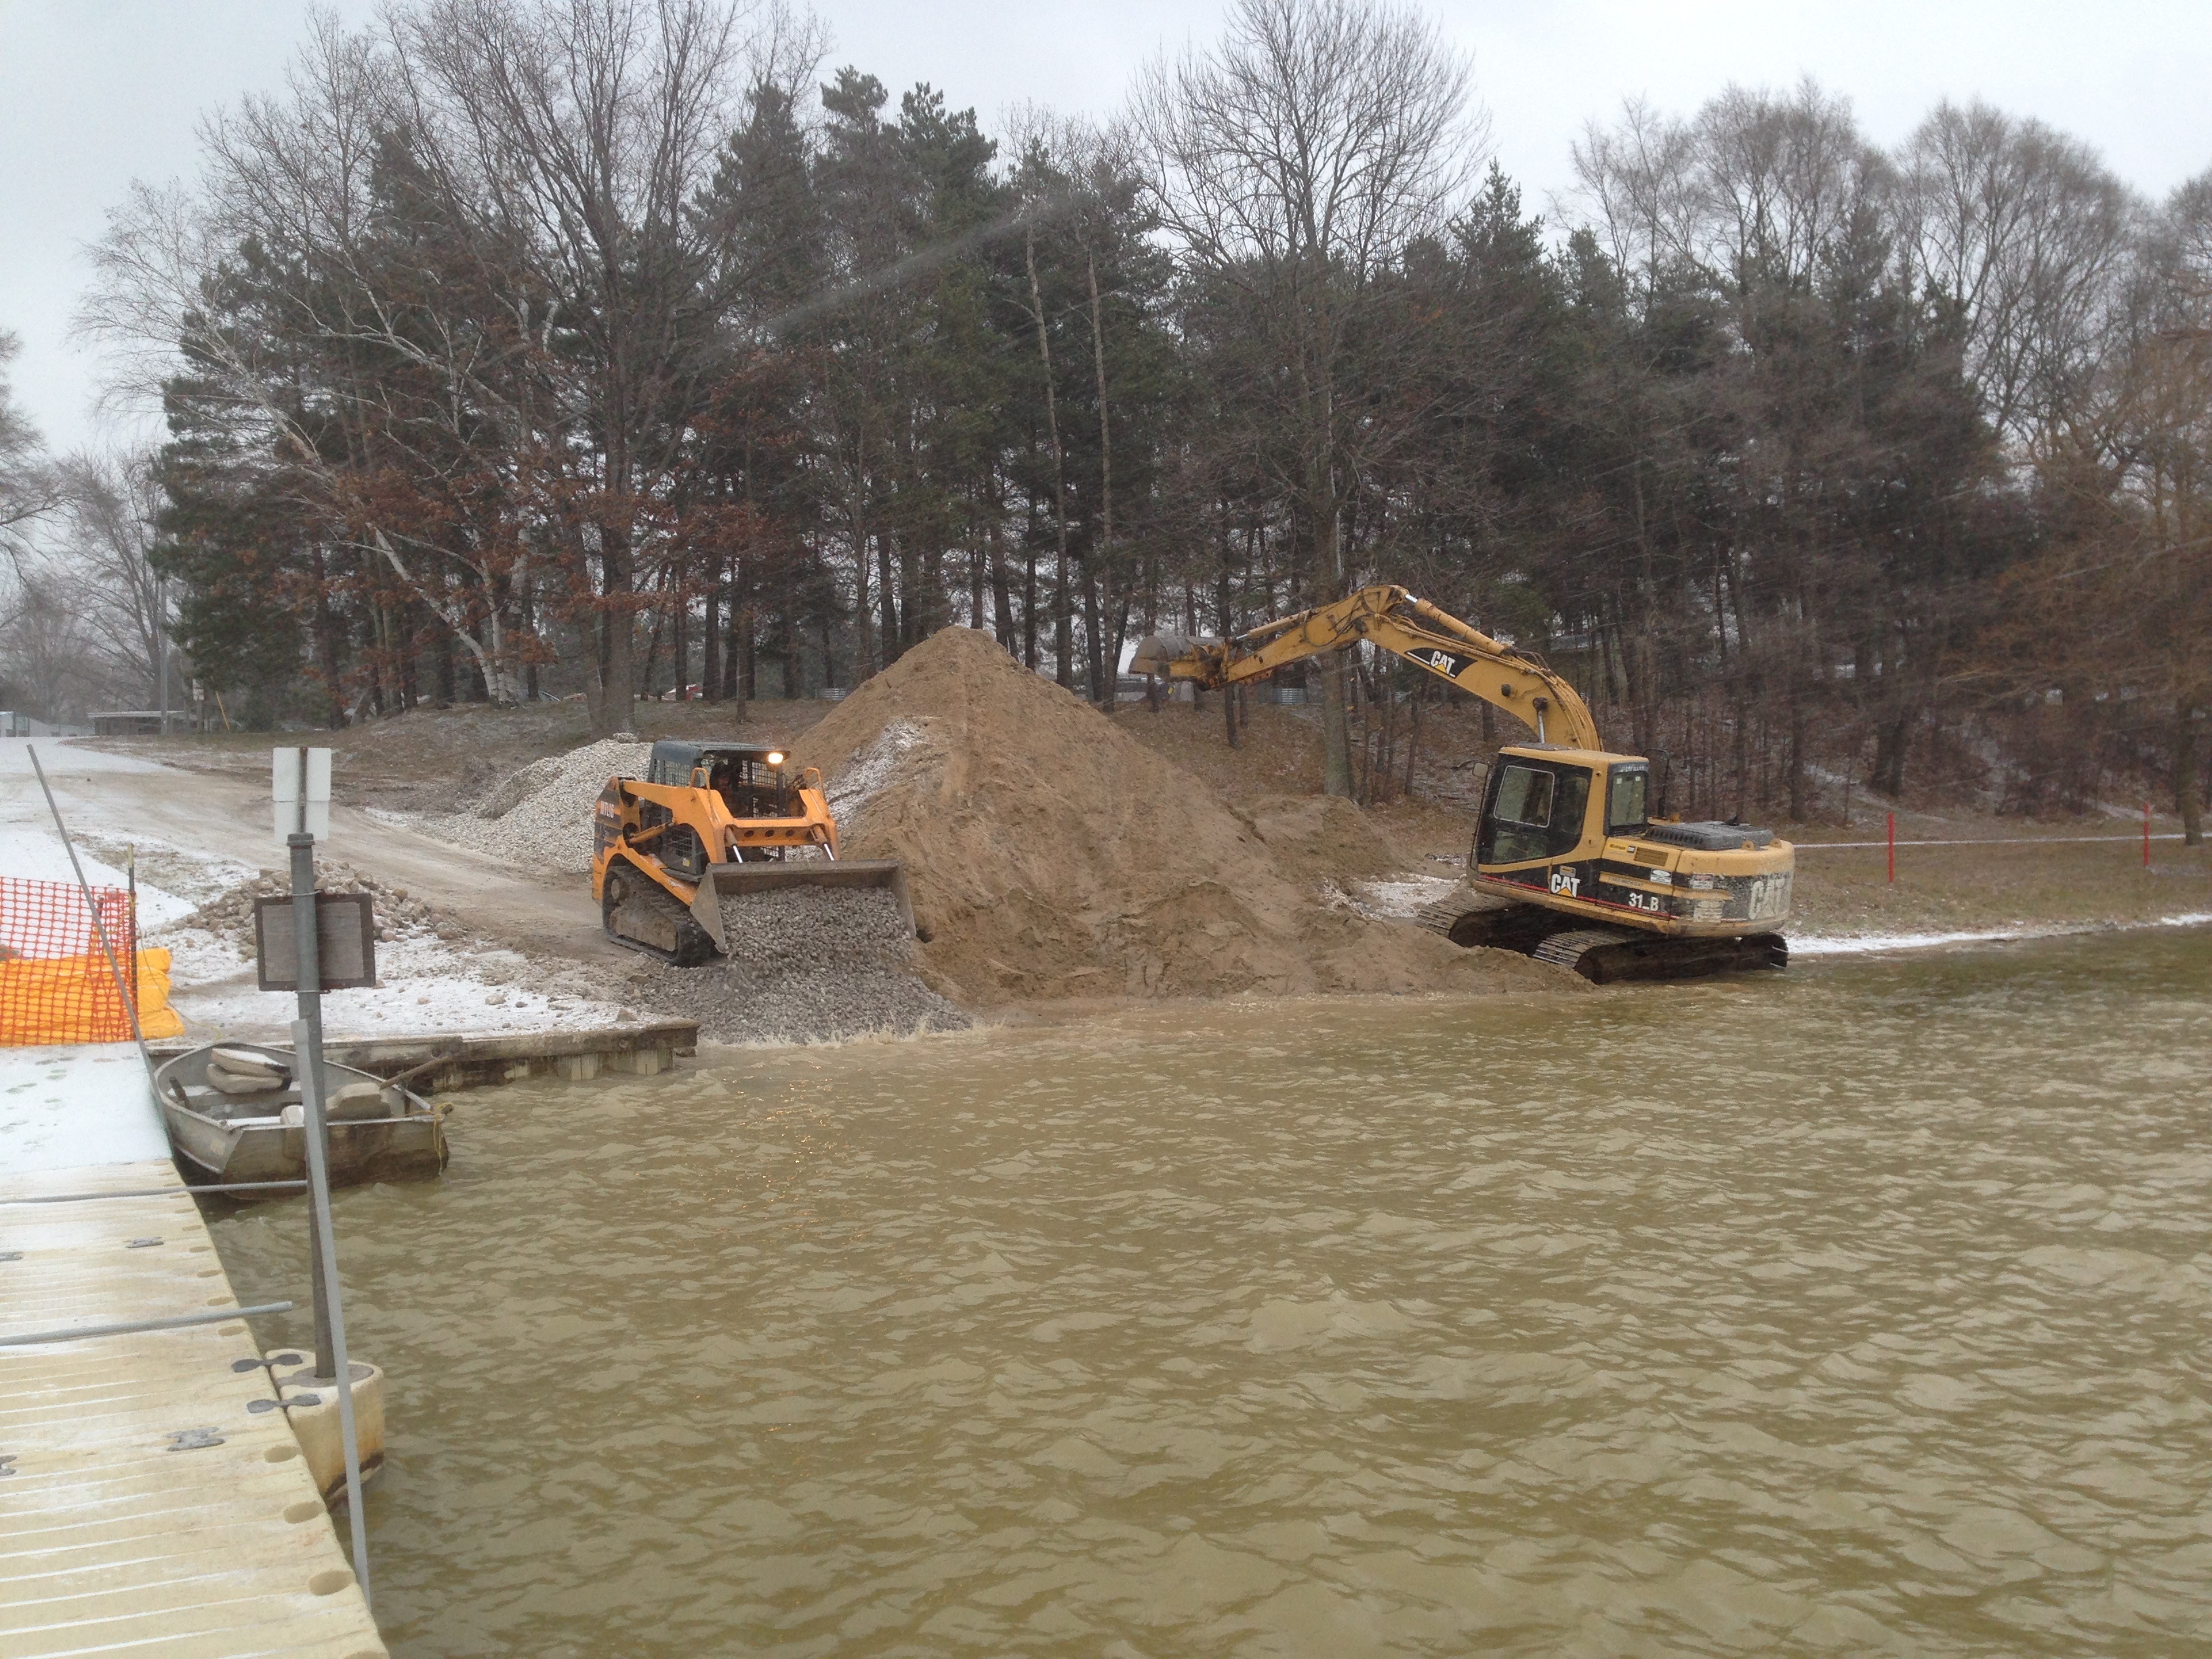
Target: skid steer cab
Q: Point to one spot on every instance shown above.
(711, 822)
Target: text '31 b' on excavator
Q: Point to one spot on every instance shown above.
(1568, 865)
(710, 822)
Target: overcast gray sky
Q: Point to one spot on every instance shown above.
(94, 93)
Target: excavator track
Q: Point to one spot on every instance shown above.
(1602, 955)
(1473, 921)
(1583, 950)
(637, 912)
(1605, 954)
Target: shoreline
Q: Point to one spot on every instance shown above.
(1816, 946)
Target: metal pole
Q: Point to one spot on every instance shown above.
(160, 1192)
(131, 869)
(307, 1050)
(326, 1260)
(126, 1327)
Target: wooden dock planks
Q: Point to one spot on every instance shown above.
(144, 1509)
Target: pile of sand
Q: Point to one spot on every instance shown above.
(1052, 855)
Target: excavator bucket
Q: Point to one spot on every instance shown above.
(1158, 654)
(737, 880)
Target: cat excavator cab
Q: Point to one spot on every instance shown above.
(1567, 863)
(710, 822)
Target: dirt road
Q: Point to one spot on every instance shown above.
(122, 799)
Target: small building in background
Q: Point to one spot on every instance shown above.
(14, 725)
(130, 723)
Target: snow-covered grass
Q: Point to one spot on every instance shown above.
(426, 984)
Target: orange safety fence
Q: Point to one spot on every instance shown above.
(56, 985)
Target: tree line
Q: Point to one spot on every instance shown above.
(528, 347)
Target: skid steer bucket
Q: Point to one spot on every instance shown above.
(736, 879)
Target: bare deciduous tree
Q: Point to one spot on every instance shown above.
(28, 491)
(2025, 230)
(1293, 165)
(112, 510)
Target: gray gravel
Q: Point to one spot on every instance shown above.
(808, 964)
(230, 913)
(539, 818)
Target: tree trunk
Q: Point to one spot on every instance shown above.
(864, 662)
(1063, 613)
(748, 663)
(326, 645)
(1105, 554)
(679, 642)
(1098, 673)
(1798, 811)
(1329, 578)
(1002, 598)
(614, 709)
(886, 604)
(710, 635)
(2187, 796)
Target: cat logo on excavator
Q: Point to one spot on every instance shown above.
(711, 821)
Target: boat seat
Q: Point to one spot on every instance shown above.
(349, 1102)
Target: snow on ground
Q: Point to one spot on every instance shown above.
(82, 1104)
(62, 758)
(424, 986)
(1400, 896)
(1845, 944)
(1837, 945)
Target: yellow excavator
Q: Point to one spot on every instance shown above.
(1568, 865)
(710, 822)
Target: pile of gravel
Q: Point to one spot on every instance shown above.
(808, 964)
(540, 816)
(861, 778)
(230, 914)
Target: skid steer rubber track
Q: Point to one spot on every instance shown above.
(637, 912)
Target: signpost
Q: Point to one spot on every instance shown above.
(299, 787)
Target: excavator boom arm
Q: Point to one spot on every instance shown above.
(1406, 627)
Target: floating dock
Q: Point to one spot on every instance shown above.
(153, 1497)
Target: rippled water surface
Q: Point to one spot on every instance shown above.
(1862, 1310)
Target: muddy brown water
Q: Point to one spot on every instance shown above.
(1858, 1311)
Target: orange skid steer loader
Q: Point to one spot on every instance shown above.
(711, 821)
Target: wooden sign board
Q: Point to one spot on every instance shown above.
(345, 942)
